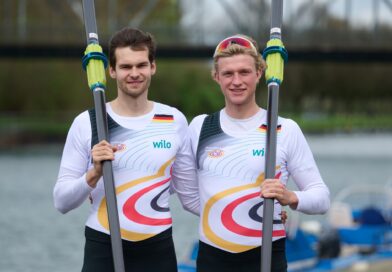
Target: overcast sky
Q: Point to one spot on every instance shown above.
(362, 12)
(210, 15)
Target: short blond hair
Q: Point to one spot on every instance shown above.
(236, 49)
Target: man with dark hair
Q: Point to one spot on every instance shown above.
(145, 137)
(227, 149)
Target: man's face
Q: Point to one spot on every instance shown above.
(237, 77)
(133, 72)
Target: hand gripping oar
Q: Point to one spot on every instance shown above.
(275, 54)
(94, 62)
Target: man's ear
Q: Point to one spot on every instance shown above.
(153, 68)
(259, 74)
(215, 76)
(112, 72)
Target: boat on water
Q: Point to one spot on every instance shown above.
(358, 231)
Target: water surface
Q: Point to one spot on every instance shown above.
(36, 237)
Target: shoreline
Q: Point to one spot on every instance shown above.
(379, 266)
(22, 130)
(373, 143)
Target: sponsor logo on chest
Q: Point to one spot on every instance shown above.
(162, 144)
(215, 153)
(258, 152)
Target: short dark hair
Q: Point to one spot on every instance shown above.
(135, 39)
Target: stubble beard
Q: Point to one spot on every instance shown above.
(134, 92)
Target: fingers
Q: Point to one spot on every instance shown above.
(272, 188)
(103, 151)
(283, 216)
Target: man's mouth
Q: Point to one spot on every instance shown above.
(237, 90)
(134, 82)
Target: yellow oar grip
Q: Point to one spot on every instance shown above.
(94, 62)
(275, 55)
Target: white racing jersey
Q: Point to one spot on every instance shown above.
(147, 147)
(230, 169)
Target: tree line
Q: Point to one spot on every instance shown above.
(52, 87)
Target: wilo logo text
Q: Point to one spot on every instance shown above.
(162, 144)
(258, 152)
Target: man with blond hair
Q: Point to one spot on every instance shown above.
(227, 151)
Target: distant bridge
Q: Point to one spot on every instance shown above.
(312, 54)
(314, 30)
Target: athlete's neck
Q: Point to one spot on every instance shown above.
(132, 108)
(240, 111)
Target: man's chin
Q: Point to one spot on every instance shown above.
(133, 87)
(237, 99)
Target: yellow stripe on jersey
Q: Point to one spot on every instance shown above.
(233, 247)
(102, 210)
(213, 237)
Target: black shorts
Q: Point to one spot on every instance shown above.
(154, 254)
(212, 259)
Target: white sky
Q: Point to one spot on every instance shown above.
(207, 13)
(362, 12)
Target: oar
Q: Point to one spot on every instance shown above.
(275, 54)
(94, 62)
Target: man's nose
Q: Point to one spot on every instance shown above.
(236, 79)
(134, 72)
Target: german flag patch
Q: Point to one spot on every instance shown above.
(263, 128)
(163, 118)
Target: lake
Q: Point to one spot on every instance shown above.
(36, 237)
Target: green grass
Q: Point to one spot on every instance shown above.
(34, 126)
(15, 131)
(345, 123)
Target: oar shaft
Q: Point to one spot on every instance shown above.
(110, 191)
(94, 64)
(268, 207)
(277, 13)
(90, 22)
(272, 121)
